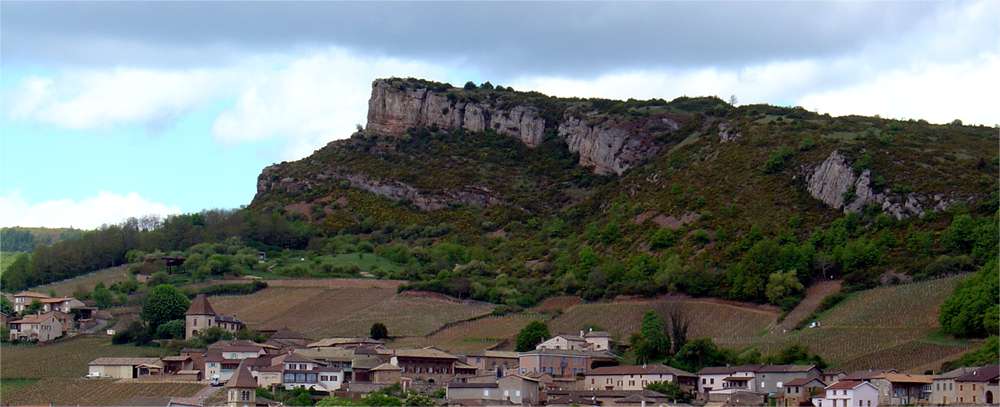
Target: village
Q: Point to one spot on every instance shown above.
(566, 369)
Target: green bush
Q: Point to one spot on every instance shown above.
(972, 310)
(776, 161)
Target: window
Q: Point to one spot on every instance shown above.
(506, 393)
(486, 393)
(859, 403)
(517, 393)
(869, 403)
(779, 385)
(245, 395)
(704, 381)
(194, 322)
(713, 380)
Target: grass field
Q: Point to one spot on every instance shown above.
(101, 392)
(320, 308)
(86, 281)
(67, 359)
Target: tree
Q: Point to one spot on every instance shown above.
(653, 343)
(783, 287)
(487, 85)
(5, 306)
(732, 100)
(470, 85)
(214, 334)
(416, 399)
(678, 329)
(164, 303)
(33, 308)
(699, 353)
(795, 355)
(378, 331)
(972, 310)
(102, 296)
(171, 330)
(531, 335)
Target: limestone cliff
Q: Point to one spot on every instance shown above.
(835, 183)
(606, 148)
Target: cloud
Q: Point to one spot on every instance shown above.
(311, 100)
(87, 213)
(91, 99)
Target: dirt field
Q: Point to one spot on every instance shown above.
(480, 334)
(87, 281)
(814, 296)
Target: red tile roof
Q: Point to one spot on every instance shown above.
(242, 378)
(844, 385)
(200, 306)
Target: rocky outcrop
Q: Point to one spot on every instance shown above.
(392, 110)
(606, 148)
(728, 132)
(835, 183)
(270, 182)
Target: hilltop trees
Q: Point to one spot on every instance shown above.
(531, 335)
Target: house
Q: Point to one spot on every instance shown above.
(200, 316)
(36, 328)
(346, 343)
(800, 392)
(285, 338)
(849, 393)
(900, 389)
(636, 377)
(61, 304)
(832, 375)
(174, 364)
(718, 383)
(771, 379)
(606, 398)
(979, 386)
(24, 298)
(124, 368)
(466, 393)
(429, 364)
(495, 362)
(267, 369)
(222, 358)
(520, 389)
(386, 373)
(943, 387)
(310, 374)
(241, 388)
(589, 341)
(562, 363)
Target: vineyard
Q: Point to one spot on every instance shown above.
(64, 391)
(707, 318)
(67, 358)
(476, 335)
(814, 296)
(350, 311)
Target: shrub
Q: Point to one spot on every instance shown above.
(972, 310)
(776, 161)
(532, 334)
(662, 238)
(470, 85)
(171, 330)
(807, 144)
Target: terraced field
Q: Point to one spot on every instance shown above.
(90, 392)
(708, 318)
(67, 358)
(321, 311)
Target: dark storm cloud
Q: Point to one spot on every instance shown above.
(496, 38)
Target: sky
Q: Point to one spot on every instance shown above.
(118, 109)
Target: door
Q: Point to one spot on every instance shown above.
(989, 397)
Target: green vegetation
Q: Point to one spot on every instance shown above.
(672, 390)
(532, 334)
(20, 239)
(987, 354)
(378, 331)
(973, 311)
(651, 343)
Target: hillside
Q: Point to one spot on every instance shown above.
(601, 198)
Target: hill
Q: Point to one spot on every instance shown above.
(603, 198)
(24, 239)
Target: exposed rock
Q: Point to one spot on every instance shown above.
(607, 148)
(832, 180)
(728, 132)
(397, 191)
(392, 111)
(674, 223)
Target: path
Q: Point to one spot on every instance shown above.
(814, 296)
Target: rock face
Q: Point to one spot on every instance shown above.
(268, 182)
(392, 111)
(607, 149)
(835, 183)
